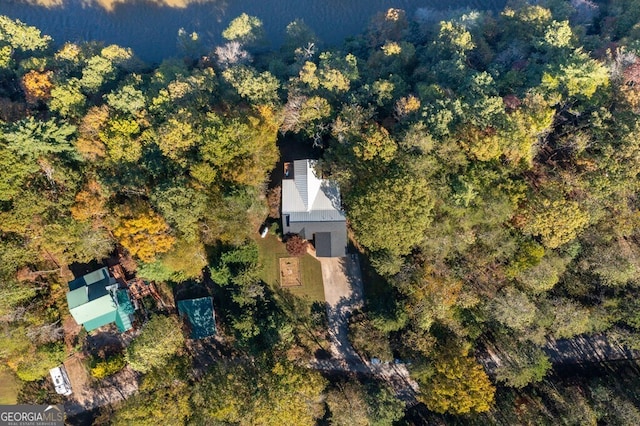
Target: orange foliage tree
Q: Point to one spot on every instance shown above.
(90, 202)
(37, 86)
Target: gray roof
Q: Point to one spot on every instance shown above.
(309, 198)
(338, 231)
(311, 208)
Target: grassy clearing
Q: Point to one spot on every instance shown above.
(271, 249)
(8, 388)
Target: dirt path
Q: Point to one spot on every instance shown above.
(580, 350)
(87, 396)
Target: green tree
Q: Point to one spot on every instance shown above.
(167, 405)
(160, 339)
(177, 136)
(578, 77)
(18, 35)
(521, 363)
(37, 366)
(555, 221)
(245, 29)
(183, 207)
(257, 88)
(121, 139)
(513, 309)
(67, 99)
(97, 71)
(249, 394)
(127, 99)
(391, 214)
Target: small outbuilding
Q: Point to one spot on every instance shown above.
(199, 316)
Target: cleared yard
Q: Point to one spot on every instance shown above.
(8, 388)
(271, 250)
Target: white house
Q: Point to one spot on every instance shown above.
(311, 207)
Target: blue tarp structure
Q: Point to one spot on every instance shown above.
(199, 316)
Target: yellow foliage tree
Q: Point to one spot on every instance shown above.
(375, 143)
(406, 105)
(457, 385)
(333, 80)
(308, 75)
(483, 144)
(391, 48)
(433, 298)
(145, 235)
(556, 222)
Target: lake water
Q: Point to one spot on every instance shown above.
(151, 30)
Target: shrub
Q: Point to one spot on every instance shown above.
(296, 246)
(108, 367)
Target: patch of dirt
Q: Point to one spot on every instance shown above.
(290, 272)
(89, 395)
(71, 331)
(78, 376)
(106, 342)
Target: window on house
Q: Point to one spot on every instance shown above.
(286, 220)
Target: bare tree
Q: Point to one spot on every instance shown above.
(46, 333)
(232, 53)
(292, 109)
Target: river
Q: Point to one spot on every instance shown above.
(152, 30)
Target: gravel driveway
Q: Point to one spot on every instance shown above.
(343, 293)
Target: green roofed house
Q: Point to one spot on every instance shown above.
(94, 300)
(199, 316)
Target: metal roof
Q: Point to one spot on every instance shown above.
(77, 297)
(317, 216)
(100, 321)
(318, 198)
(91, 303)
(101, 275)
(94, 309)
(199, 315)
(338, 231)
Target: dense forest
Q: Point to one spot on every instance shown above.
(488, 165)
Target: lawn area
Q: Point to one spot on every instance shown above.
(271, 249)
(8, 388)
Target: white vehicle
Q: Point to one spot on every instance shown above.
(61, 380)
